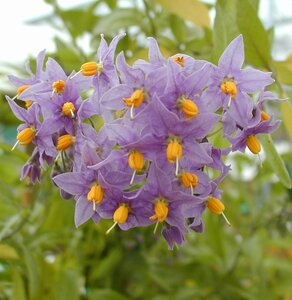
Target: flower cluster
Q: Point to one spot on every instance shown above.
(148, 159)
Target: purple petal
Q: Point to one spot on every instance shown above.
(233, 56)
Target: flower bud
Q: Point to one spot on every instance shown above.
(121, 214)
(95, 194)
(253, 144)
(65, 141)
(136, 160)
(26, 136)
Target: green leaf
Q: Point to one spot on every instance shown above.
(178, 28)
(108, 264)
(67, 285)
(284, 70)
(275, 161)
(286, 109)
(256, 39)
(106, 294)
(190, 10)
(8, 252)
(33, 273)
(18, 290)
(225, 27)
(119, 19)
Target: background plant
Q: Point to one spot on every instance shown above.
(44, 257)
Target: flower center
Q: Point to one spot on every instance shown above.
(68, 109)
(217, 207)
(89, 68)
(264, 116)
(174, 150)
(253, 144)
(136, 160)
(58, 86)
(189, 107)
(25, 136)
(229, 87)
(95, 194)
(121, 214)
(22, 88)
(189, 179)
(65, 141)
(180, 60)
(28, 103)
(160, 210)
(135, 100)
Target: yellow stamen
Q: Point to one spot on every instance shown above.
(20, 90)
(26, 136)
(58, 86)
(217, 207)
(264, 116)
(136, 160)
(120, 216)
(135, 100)
(253, 144)
(229, 87)
(189, 180)
(89, 68)
(189, 108)
(28, 103)
(180, 60)
(160, 210)
(174, 151)
(65, 141)
(95, 195)
(68, 109)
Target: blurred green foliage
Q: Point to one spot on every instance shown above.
(43, 256)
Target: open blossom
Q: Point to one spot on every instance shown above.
(229, 83)
(149, 159)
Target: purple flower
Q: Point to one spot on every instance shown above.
(168, 205)
(33, 131)
(229, 83)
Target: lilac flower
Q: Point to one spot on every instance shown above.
(125, 210)
(229, 82)
(178, 137)
(55, 84)
(167, 205)
(33, 131)
(38, 76)
(90, 187)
